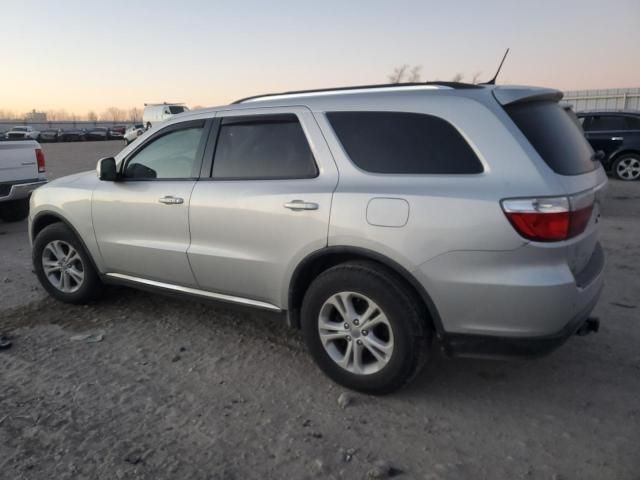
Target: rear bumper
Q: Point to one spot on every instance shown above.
(18, 191)
(511, 303)
(489, 346)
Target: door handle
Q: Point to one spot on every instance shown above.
(617, 138)
(297, 205)
(169, 200)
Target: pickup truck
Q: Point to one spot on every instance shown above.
(22, 133)
(22, 170)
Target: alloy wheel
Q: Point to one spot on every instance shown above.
(63, 266)
(356, 333)
(628, 168)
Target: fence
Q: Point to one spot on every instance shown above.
(609, 99)
(65, 125)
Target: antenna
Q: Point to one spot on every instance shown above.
(493, 80)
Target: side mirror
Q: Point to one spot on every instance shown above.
(599, 155)
(107, 170)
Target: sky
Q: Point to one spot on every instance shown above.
(81, 56)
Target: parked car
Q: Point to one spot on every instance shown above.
(617, 135)
(160, 112)
(22, 170)
(379, 220)
(73, 135)
(50, 135)
(97, 133)
(133, 132)
(22, 133)
(117, 132)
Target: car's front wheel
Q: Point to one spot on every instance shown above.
(365, 328)
(63, 266)
(627, 167)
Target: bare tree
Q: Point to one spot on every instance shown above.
(135, 115)
(414, 74)
(457, 77)
(398, 74)
(476, 77)
(113, 114)
(91, 116)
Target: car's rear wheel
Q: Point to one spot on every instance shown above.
(63, 266)
(365, 328)
(627, 167)
(14, 210)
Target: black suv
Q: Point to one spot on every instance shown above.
(617, 134)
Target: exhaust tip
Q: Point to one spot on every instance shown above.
(591, 325)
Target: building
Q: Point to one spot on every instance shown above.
(34, 116)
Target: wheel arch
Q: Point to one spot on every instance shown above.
(321, 260)
(45, 218)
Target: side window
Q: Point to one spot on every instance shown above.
(607, 122)
(173, 155)
(633, 123)
(263, 147)
(403, 143)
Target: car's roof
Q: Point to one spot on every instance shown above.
(330, 98)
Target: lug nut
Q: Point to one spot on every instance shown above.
(346, 326)
(348, 338)
(356, 322)
(365, 332)
(359, 342)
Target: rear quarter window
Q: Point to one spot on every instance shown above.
(554, 135)
(403, 143)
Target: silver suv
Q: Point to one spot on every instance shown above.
(380, 220)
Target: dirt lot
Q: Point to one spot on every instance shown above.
(185, 390)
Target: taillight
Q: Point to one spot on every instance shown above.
(549, 219)
(40, 160)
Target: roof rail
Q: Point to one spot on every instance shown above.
(455, 85)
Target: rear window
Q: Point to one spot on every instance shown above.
(554, 135)
(403, 143)
(175, 109)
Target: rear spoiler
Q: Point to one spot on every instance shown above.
(510, 95)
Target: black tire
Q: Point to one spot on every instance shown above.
(627, 167)
(91, 286)
(14, 210)
(407, 316)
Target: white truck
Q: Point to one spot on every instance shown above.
(23, 133)
(22, 170)
(159, 112)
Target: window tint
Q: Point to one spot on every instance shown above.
(266, 147)
(170, 156)
(403, 143)
(607, 122)
(554, 135)
(633, 123)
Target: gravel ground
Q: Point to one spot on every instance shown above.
(146, 386)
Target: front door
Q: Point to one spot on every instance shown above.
(142, 221)
(266, 205)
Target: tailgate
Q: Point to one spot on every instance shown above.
(18, 161)
(560, 143)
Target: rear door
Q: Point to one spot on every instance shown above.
(606, 132)
(18, 161)
(266, 205)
